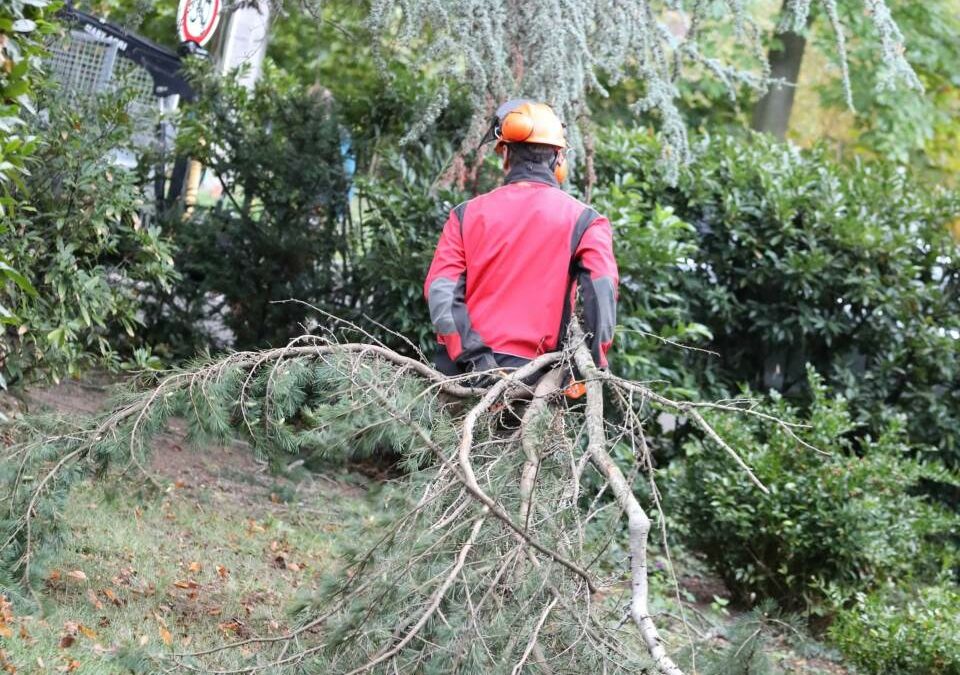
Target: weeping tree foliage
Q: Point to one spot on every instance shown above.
(562, 51)
(497, 555)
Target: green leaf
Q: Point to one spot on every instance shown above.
(24, 26)
(18, 279)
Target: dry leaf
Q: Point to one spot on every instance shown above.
(94, 600)
(223, 572)
(195, 567)
(6, 617)
(293, 567)
(68, 667)
(87, 632)
(111, 596)
(165, 636)
(66, 641)
(188, 583)
(54, 576)
(77, 575)
(232, 626)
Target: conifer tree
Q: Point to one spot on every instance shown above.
(561, 51)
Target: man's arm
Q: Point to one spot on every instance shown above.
(445, 291)
(598, 280)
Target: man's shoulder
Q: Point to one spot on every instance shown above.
(560, 201)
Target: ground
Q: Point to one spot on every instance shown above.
(216, 553)
(217, 550)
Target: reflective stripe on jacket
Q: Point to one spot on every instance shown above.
(507, 266)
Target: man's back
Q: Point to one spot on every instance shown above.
(501, 275)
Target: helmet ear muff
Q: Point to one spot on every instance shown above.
(516, 127)
(560, 167)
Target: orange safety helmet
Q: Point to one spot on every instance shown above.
(524, 121)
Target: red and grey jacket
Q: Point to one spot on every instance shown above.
(506, 269)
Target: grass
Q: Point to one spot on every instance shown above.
(215, 557)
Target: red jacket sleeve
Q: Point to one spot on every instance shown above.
(598, 280)
(446, 283)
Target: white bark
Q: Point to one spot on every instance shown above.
(638, 523)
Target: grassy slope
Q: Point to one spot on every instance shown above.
(218, 554)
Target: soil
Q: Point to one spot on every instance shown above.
(232, 468)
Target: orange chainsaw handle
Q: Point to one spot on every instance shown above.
(575, 390)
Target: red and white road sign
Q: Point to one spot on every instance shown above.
(197, 20)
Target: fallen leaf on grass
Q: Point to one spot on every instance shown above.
(67, 641)
(68, 667)
(229, 626)
(77, 575)
(87, 632)
(195, 567)
(165, 636)
(222, 572)
(94, 600)
(112, 597)
(5, 662)
(54, 576)
(186, 583)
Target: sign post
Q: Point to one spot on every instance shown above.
(197, 21)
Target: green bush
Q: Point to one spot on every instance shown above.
(22, 27)
(831, 525)
(798, 259)
(277, 234)
(401, 227)
(902, 632)
(79, 239)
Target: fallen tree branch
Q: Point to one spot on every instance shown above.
(465, 451)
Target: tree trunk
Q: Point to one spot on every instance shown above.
(772, 114)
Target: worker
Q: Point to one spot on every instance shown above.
(506, 269)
